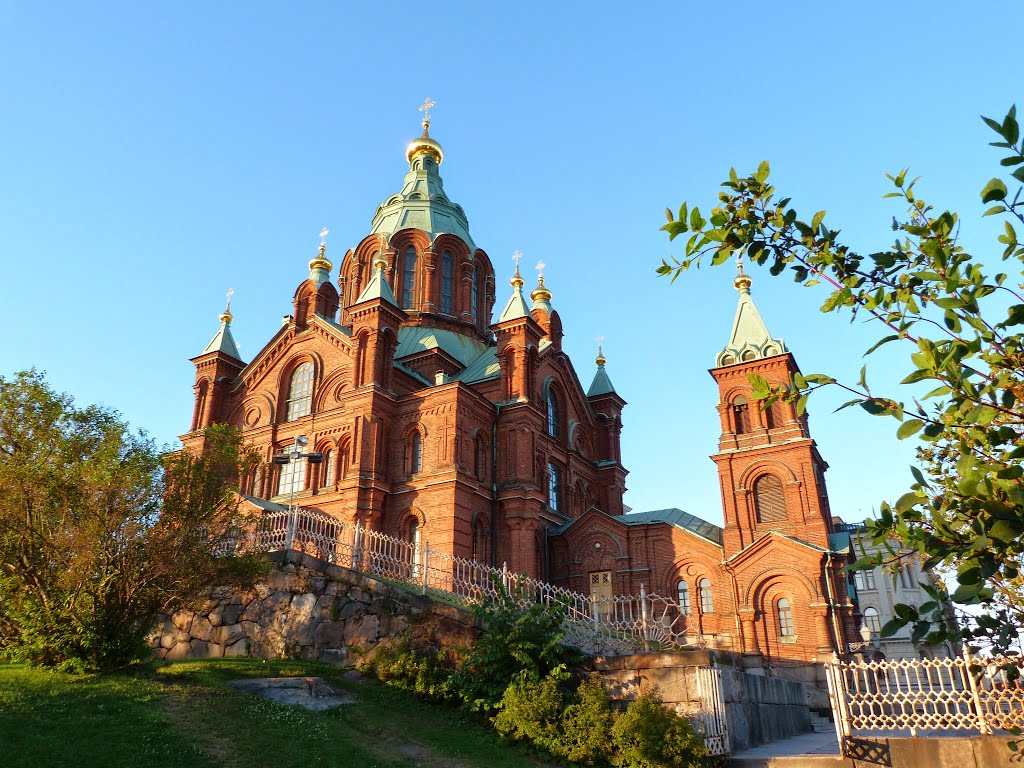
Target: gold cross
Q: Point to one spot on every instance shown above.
(516, 257)
(540, 268)
(428, 103)
(230, 293)
(599, 339)
(323, 236)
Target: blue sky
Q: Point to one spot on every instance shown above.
(155, 155)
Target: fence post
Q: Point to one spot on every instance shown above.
(504, 576)
(426, 562)
(983, 725)
(595, 611)
(357, 543)
(289, 536)
(835, 677)
(643, 615)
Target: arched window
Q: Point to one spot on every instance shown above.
(328, 467)
(773, 415)
(480, 457)
(447, 270)
(741, 415)
(871, 620)
(300, 392)
(293, 477)
(474, 295)
(408, 277)
(555, 487)
(785, 618)
(554, 415)
(683, 590)
(479, 552)
(769, 499)
(416, 452)
(707, 600)
(414, 539)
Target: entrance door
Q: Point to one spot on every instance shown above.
(601, 593)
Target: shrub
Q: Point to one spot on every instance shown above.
(587, 726)
(647, 735)
(515, 642)
(426, 673)
(532, 711)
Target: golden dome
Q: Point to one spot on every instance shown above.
(321, 261)
(424, 145)
(540, 293)
(742, 281)
(600, 360)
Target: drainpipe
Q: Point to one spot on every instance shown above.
(735, 602)
(494, 486)
(832, 605)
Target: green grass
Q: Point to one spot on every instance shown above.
(184, 714)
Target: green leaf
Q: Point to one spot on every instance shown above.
(994, 190)
(908, 428)
(762, 172)
(873, 407)
(994, 210)
(892, 627)
(816, 221)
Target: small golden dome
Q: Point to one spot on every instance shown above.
(517, 281)
(600, 359)
(540, 293)
(424, 145)
(226, 317)
(321, 261)
(742, 281)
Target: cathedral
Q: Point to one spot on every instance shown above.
(436, 421)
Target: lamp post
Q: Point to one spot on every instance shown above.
(869, 640)
(296, 452)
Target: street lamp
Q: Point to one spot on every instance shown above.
(295, 452)
(869, 640)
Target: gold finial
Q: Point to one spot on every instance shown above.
(381, 261)
(600, 354)
(226, 315)
(428, 104)
(517, 279)
(742, 281)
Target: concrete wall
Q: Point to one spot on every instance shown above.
(759, 709)
(310, 610)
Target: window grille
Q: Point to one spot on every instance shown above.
(785, 618)
(684, 598)
(300, 392)
(293, 477)
(707, 600)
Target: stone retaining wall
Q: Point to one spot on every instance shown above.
(759, 709)
(309, 609)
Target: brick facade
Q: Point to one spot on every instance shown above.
(437, 423)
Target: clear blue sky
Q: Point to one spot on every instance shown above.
(154, 155)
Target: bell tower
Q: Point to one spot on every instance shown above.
(771, 475)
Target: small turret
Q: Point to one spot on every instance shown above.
(216, 367)
(518, 335)
(607, 405)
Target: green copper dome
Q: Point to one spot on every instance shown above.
(422, 203)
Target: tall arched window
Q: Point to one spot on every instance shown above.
(707, 600)
(871, 620)
(683, 590)
(300, 392)
(479, 551)
(555, 487)
(447, 271)
(293, 477)
(328, 467)
(769, 499)
(554, 415)
(785, 618)
(416, 452)
(741, 415)
(474, 295)
(408, 277)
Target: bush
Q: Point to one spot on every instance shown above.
(516, 644)
(426, 673)
(587, 726)
(532, 711)
(647, 735)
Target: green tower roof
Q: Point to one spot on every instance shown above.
(422, 203)
(602, 384)
(223, 341)
(749, 339)
(378, 287)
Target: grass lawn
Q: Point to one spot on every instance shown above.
(184, 714)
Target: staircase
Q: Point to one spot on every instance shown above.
(822, 724)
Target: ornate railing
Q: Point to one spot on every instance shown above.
(968, 692)
(621, 624)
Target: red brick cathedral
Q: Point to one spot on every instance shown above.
(437, 424)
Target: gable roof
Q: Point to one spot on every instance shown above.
(679, 519)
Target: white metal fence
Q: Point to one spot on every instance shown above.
(965, 693)
(621, 624)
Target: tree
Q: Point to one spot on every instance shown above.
(99, 533)
(961, 327)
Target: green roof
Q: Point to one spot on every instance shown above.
(601, 385)
(679, 519)
(415, 339)
(422, 204)
(377, 288)
(749, 339)
(516, 307)
(224, 342)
